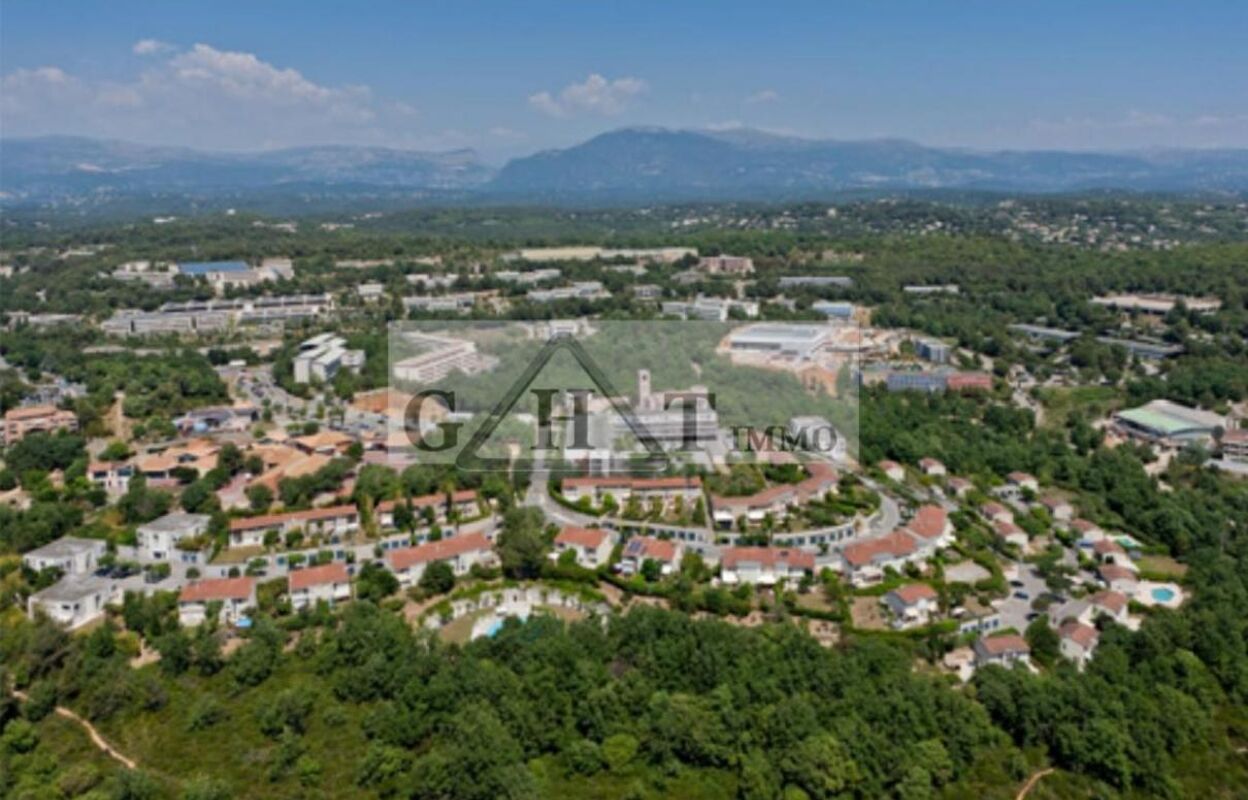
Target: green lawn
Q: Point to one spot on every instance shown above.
(1092, 401)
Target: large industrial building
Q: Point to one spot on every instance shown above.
(1169, 424)
(800, 341)
(440, 357)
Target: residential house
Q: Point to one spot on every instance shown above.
(912, 605)
(235, 595)
(640, 549)
(932, 468)
(462, 553)
(959, 486)
(995, 512)
(333, 521)
(647, 490)
(592, 546)
(158, 539)
(1024, 481)
(1060, 510)
(931, 527)
(975, 617)
(773, 500)
(72, 555)
(1112, 604)
(866, 561)
(326, 443)
(1118, 578)
(73, 601)
(432, 508)
(892, 470)
(24, 420)
(764, 565)
(1107, 551)
(1009, 533)
(1078, 641)
(1006, 651)
(328, 582)
(113, 476)
(1087, 531)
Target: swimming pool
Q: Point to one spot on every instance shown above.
(1162, 594)
(493, 628)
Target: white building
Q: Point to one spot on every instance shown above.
(236, 596)
(767, 338)
(328, 582)
(73, 601)
(592, 546)
(462, 553)
(1078, 641)
(1005, 651)
(72, 555)
(764, 565)
(157, 539)
(440, 357)
(912, 605)
(321, 357)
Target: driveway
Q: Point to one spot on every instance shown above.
(1013, 609)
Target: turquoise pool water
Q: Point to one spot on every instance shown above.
(1163, 595)
(494, 628)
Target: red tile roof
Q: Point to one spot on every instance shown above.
(959, 381)
(929, 522)
(333, 572)
(1115, 602)
(912, 593)
(767, 556)
(592, 538)
(991, 510)
(894, 545)
(1083, 635)
(1113, 572)
(417, 502)
(651, 547)
(638, 484)
(273, 520)
(211, 589)
(1010, 643)
(437, 551)
(1005, 529)
(1106, 547)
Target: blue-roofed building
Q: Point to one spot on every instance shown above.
(206, 267)
(833, 309)
(930, 382)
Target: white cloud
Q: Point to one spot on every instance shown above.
(151, 47)
(596, 95)
(203, 97)
(763, 96)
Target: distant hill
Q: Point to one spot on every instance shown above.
(746, 164)
(63, 167)
(623, 166)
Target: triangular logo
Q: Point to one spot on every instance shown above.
(469, 458)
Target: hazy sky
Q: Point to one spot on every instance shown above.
(514, 77)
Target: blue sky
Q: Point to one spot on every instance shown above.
(514, 77)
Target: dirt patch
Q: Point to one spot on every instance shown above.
(868, 614)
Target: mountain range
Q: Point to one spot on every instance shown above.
(628, 165)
